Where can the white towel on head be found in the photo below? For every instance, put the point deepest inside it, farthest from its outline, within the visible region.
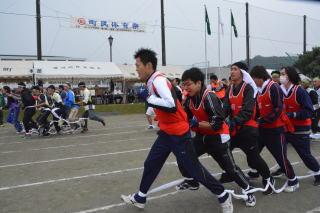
(247, 78)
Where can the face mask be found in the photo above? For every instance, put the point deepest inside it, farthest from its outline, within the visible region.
(284, 79)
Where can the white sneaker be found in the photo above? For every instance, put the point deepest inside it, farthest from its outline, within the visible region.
(151, 127)
(129, 199)
(251, 201)
(227, 206)
(293, 188)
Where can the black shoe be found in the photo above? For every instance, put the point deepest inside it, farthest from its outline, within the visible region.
(317, 180)
(253, 175)
(251, 202)
(277, 173)
(269, 190)
(46, 134)
(103, 123)
(77, 126)
(225, 178)
(84, 130)
(188, 184)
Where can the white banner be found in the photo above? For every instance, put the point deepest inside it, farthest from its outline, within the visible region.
(79, 22)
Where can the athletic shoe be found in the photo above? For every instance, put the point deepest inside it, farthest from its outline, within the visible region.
(251, 201)
(227, 206)
(253, 175)
(135, 200)
(151, 127)
(188, 184)
(317, 180)
(292, 186)
(103, 123)
(269, 190)
(277, 173)
(225, 178)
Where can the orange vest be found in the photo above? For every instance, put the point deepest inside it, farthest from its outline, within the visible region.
(221, 93)
(266, 107)
(172, 123)
(202, 115)
(291, 105)
(236, 106)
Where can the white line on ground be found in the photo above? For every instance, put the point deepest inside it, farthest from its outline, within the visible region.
(122, 204)
(14, 135)
(73, 158)
(73, 145)
(84, 176)
(315, 210)
(74, 137)
(108, 207)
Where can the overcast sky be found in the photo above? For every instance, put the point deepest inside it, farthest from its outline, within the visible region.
(273, 33)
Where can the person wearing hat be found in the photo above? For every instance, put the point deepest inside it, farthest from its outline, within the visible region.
(28, 103)
(240, 109)
(88, 106)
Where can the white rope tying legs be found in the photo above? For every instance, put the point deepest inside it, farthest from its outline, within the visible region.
(243, 196)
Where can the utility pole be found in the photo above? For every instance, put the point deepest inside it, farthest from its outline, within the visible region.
(163, 39)
(247, 35)
(38, 17)
(304, 34)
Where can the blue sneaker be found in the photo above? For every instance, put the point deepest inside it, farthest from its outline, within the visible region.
(135, 200)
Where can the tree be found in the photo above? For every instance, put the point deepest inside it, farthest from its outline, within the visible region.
(309, 62)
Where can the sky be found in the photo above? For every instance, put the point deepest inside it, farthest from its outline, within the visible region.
(276, 29)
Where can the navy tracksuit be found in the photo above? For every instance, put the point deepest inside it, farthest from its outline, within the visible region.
(182, 147)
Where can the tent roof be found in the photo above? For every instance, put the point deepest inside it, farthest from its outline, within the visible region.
(15, 69)
(129, 71)
(73, 69)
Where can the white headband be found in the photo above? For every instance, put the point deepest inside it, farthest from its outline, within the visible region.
(248, 79)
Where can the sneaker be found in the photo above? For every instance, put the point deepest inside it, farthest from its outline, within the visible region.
(151, 127)
(188, 184)
(253, 175)
(225, 178)
(317, 180)
(269, 190)
(292, 186)
(227, 206)
(135, 200)
(277, 173)
(251, 201)
(103, 123)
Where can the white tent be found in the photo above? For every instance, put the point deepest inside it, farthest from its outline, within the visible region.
(76, 70)
(15, 69)
(130, 73)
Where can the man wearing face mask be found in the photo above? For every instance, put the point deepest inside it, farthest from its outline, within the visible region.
(299, 109)
(272, 122)
(239, 107)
